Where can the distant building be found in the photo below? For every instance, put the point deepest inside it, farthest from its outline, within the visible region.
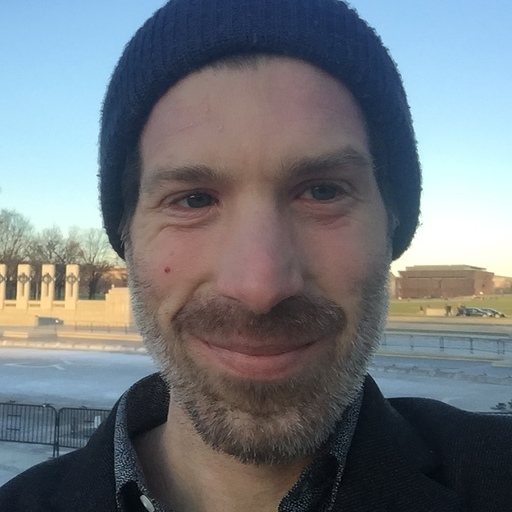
(393, 286)
(444, 281)
(502, 284)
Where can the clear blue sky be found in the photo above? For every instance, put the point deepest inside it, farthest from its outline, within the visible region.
(455, 57)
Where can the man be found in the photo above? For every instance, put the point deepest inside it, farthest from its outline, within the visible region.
(259, 173)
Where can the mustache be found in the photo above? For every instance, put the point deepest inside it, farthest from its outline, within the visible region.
(300, 318)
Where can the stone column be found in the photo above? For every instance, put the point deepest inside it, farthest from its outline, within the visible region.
(47, 286)
(71, 288)
(23, 286)
(3, 278)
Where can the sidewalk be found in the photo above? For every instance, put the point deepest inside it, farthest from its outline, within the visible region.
(68, 339)
(16, 457)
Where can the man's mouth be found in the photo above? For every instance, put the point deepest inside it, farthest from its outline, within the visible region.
(273, 360)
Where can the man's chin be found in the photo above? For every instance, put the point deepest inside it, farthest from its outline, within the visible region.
(264, 420)
(258, 423)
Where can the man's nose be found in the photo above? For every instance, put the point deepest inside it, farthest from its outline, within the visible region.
(261, 264)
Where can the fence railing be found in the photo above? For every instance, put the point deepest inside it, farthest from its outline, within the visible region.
(43, 424)
(76, 426)
(479, 345)
(56, 325)
(33, 424)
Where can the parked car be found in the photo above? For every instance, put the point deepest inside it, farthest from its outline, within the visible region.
(494, 312)
(475, 312)
(49, 320)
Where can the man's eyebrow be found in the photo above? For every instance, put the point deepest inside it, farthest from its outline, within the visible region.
(184, 174)
(347, 158)
(301, 168)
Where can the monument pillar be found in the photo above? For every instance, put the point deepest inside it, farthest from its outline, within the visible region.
(71, 288)
(23, 286)
(3, 279)
(47, 286)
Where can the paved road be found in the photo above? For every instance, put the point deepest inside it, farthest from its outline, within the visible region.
(68, 378)
(97, 379)
(470, 385)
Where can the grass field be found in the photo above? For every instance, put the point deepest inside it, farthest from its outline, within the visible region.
(411, 307)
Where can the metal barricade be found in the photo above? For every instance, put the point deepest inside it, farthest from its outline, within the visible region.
(33, 424)
(76, 425)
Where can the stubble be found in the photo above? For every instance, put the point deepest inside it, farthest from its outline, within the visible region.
(266, 422)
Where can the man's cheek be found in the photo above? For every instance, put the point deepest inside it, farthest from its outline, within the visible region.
(342, 263)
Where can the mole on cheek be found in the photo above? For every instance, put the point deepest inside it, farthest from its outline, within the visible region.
(167, 270)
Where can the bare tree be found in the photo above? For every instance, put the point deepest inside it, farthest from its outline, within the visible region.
(96, 258)
(15, 237)
(46, 246)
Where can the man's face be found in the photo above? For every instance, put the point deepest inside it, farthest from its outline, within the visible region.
(258, 255)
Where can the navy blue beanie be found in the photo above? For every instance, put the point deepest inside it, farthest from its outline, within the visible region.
(186, 35)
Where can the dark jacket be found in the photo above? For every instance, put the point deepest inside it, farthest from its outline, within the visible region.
(407, 455)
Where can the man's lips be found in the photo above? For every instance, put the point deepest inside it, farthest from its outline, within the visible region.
(273, 349)
(267, 361)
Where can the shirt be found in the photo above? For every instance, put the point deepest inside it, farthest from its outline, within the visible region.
(144, 407)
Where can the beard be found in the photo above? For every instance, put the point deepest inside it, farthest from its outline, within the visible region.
(257, 421)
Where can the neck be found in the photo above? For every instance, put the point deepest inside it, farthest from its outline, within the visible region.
(187, 475)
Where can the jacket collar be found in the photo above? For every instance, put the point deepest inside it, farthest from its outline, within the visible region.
(389, 467)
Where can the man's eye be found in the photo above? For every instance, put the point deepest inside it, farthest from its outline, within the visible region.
(323, 192)
(197, 200)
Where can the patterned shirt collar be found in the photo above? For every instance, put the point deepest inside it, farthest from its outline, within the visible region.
(144, 406)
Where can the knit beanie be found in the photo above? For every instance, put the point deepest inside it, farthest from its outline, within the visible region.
(186, 35)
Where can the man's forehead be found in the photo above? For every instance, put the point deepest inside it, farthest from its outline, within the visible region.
(262, 89)
(297, 77)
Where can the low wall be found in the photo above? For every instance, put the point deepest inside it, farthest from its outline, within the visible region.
(113, 311)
